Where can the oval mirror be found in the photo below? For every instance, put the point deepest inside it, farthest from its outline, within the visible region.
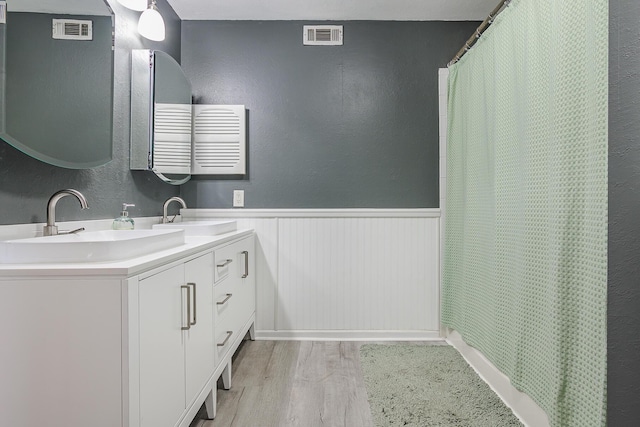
(56, 98)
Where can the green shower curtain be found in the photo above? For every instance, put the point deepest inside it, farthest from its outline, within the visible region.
(525, 267)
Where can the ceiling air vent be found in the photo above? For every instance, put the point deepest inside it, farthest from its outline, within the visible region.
(3, 12)
(322, 35)
(72, 29)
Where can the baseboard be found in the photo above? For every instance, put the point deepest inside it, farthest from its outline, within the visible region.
(523, 406)
(309, 335)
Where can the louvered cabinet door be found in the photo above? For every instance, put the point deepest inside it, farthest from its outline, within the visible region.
(172, 138)
(219, 140)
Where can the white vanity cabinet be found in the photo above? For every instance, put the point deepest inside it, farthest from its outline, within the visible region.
(61, 351)
(234, 303)
(130, 344)
(234, 293)
(175, 312)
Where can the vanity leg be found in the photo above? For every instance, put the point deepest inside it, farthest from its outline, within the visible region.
(252, 331)
(226, 376)
(210, 403)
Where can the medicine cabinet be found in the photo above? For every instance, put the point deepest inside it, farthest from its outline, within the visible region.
(174, 138)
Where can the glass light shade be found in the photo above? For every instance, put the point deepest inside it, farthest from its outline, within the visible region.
(151, 24)
(138, 5)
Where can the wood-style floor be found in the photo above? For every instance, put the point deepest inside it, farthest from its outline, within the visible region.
(293, 383)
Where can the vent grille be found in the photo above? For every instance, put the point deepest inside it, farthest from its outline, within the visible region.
(72, 29)
(172, 138)
(322, 35)
(3, 12)
(219, 139)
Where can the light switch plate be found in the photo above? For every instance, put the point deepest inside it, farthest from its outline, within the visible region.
(238, 198)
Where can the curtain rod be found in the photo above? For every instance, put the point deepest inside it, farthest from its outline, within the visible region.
(481, 29)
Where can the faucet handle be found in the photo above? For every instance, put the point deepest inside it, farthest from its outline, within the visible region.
(76, 231)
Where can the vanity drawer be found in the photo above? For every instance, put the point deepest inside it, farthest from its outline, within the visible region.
(226, 307)
(225, 260)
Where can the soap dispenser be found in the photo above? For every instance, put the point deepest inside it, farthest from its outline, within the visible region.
(123, 222)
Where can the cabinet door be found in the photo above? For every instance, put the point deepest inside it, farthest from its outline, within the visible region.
(199, 336)
(162, 374)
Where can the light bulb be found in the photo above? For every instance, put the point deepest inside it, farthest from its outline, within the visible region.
(151, 24)
(138, 5)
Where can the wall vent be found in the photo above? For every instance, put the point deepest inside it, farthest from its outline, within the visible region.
(322, 35)
(3, 12)
(72, 29)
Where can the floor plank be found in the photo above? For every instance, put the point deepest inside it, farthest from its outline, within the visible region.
(294, 383)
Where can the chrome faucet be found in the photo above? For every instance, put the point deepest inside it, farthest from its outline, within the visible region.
(51, 229)
(166, 205)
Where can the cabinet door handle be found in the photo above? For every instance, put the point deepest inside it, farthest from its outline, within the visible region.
(186, 328)
(224, 300)
(195, 304)
(225, 263)
(222, 344)
(246, 264)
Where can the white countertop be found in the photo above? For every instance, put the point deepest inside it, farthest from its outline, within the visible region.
(122, 268)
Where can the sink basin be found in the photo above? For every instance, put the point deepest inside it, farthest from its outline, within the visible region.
(200, 228)
(90, 246)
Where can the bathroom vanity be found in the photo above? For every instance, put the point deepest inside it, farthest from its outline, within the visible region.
(139, 342)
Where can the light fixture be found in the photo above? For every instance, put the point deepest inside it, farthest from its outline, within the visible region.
(151, 24)
(138, 5)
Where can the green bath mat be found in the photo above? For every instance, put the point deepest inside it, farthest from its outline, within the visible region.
(428, 385)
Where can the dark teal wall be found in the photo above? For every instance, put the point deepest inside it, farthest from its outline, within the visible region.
(26, 184)
(623, 311)
(352, 126)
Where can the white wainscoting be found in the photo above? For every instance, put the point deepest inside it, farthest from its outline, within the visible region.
(369, 274)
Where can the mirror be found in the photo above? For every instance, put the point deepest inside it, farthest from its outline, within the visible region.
(160, 116)
(56, 98)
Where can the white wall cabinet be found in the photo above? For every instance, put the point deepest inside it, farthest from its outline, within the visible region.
(103, 347)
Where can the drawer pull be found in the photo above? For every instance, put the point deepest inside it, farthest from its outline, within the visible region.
(186, 328)
(222, 344)
(224, 300)
(225, 263)
(246, 264)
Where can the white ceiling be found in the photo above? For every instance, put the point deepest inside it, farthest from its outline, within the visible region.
(313, 10)
(72, 7)
(336, 10)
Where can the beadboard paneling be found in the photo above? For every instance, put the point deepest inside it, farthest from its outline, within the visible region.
(358, 274)
(343, 273)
